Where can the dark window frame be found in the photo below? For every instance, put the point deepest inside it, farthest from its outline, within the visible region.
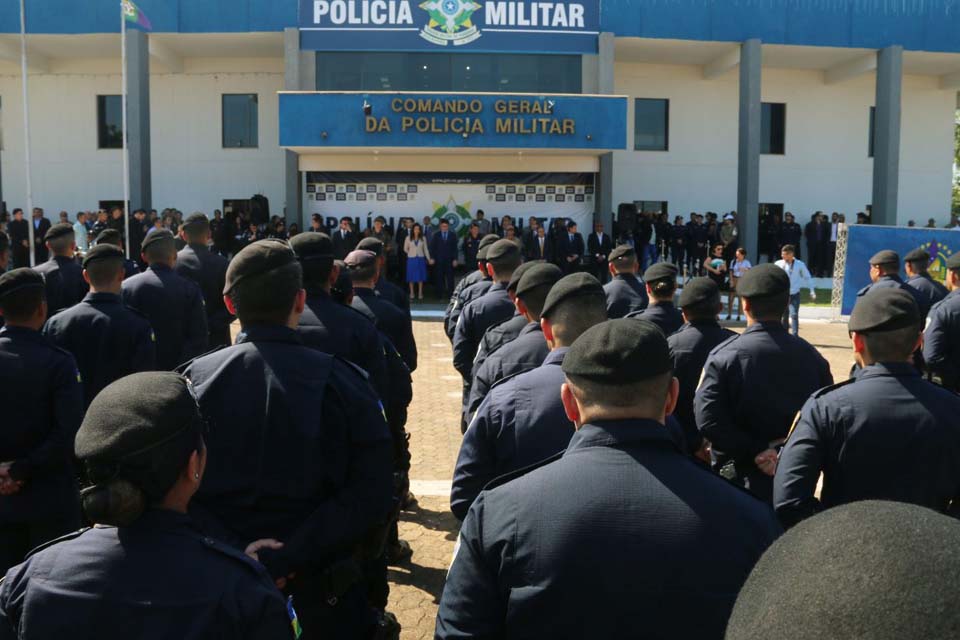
(666, 125)
(244, 144)
(767, 141)
(108, 140)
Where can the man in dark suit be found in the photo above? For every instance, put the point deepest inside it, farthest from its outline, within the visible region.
(599, 246)
(40, 227)
(443, 258)
(19, 231)
(570, 249)
(540, 246)
(344, 239)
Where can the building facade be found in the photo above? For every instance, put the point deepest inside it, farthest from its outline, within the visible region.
(443, 107)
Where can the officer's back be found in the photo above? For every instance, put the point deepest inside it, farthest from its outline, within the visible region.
(916, 264)
(941, 339)
(885, 274)
(386, 289)
(112, 236)
(65, 286)
(662, 286)
(467, 290)
(621, 506)
(208, 270)
(625, 292)
(143, 571)
(173, 305)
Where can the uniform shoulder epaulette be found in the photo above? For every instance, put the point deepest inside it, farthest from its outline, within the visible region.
(137, 313)
(234, 554)
(354, 367)
(819, 393)
(508, 378)
(56, 541)
(513, 475)
(725, 343)
(183, 367)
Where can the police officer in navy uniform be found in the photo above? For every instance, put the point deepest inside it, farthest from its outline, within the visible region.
(916, 264)
(471, 287)
(173, 305)
(661, 286)
(689, 347)
(529, 349)
(299, 469)
(145, 570)
(61, 273)
(754, 384)
(364, 269)
(522, 420)
(626, 293)
(112, 236)
(108, 340)
(208, 270)
(621, 505)
(886, 434)
(384, 288)
(941, 339)
(885, 273)
(42, 399)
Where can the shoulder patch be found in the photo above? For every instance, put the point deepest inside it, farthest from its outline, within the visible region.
(47, 545)
(504, 479)
(824, 391)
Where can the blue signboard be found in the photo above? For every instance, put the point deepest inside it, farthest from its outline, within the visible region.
(510, 121)
(557, 26)
(864, 241)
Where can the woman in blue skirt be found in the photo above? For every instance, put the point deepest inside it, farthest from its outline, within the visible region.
(415, 246)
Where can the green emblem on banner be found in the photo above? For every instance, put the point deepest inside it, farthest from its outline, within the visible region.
(458, 215)
(451, 22)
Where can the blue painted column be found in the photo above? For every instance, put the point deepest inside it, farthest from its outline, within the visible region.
(886, 145)
(138, 119)
(748, 161)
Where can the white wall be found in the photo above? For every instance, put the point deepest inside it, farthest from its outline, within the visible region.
(826, 166)
(191, 171)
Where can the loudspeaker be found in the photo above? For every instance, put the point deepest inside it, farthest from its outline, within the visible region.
(627, 217)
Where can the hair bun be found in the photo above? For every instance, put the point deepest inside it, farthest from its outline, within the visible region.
(118, 503)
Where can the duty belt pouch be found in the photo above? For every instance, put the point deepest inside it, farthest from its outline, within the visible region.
(338, 578)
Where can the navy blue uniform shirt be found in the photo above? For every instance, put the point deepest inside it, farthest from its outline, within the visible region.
(174, 306)
(941, 340)
(663, 314)
(753, 385)
(391, 321)
(526, 352)
(622, 536)
(461, 299)
(158, 578)
(887, 434)
(208, 270)
(893, 281)
(930, 288)
(626, 294)
(63, 281)
(497, 336)
(490, 309)
(393, 294)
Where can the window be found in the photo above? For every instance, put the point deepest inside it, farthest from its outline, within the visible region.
(773, 134)
(873, 132)
(240, 128)
(655, 207)
(374, 71)
(109, 122)
(651, 130)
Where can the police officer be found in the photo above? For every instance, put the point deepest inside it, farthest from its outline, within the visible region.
(661, 286)
(916, 264)
(529, 349)
(108, 340)
(884, 434)
(941, 340)
(63, 276)
(300, 453)
(42, 400)
(885, 273)
(689, 347)
(364, 269)
(208, 270)
(471, 287)
(522, 421)
(626, 293)
(754, 384)
(620, 505)
(142, 447)
(384, 288)
(172, 304)
(112, 236)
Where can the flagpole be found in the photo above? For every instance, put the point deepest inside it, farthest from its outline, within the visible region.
(26, 129)
(123, 101)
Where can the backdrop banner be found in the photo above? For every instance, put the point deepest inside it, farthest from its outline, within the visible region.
(863, 241)
(569, 196)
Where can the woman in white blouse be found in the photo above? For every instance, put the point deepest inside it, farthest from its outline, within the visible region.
(415, 246)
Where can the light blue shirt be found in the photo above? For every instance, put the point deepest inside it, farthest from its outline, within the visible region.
(799, 276)
(80, 234)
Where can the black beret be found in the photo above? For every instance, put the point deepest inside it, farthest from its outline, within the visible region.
(518, 273)
(917, 255)
(619, 352)
(488, 240)
(259, 258)
(661, 271)
(18, 280)
(110, 236)
(878, 570)
(699, 290)
(312, 246)
(503, 251)
(764, 281)
(575, 285)
(58, 230)
(953, 262)
(622, 251)
(539, 275)
(885, 257)
(371, 244)
(198, 220)
(886, 309)
(160, 235)
(103, 252)
(360, 258)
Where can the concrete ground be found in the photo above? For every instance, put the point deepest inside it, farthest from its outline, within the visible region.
(435, 437)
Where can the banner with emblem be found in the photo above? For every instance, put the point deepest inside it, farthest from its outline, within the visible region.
(516, 26)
